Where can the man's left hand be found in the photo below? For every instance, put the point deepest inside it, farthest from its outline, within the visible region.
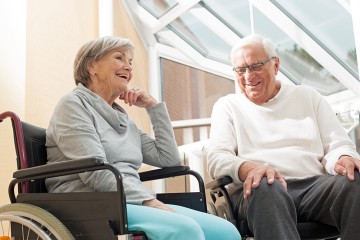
(347, 165)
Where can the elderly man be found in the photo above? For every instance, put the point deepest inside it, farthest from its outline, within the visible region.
(288, 155)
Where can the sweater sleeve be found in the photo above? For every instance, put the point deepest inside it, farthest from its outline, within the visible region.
(161, 151)
(335, 140)
(222, 151)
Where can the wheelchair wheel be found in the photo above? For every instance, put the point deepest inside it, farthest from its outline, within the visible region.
(25, 221)
(212, 209)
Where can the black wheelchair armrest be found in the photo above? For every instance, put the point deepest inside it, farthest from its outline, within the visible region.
(219, 182)
(179, 198)
(58, 168)
(173, 172)
(62, 169)
(74, 167)
(163, 173)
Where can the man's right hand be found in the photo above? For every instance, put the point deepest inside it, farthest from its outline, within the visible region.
(251, 174)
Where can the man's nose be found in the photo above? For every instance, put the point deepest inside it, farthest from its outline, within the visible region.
(248, 72)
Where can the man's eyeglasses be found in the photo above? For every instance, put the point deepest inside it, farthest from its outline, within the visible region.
(253, 67)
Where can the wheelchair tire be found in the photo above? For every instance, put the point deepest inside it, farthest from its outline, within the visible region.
(31, 221)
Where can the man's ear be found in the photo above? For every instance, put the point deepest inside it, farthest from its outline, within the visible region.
(277, 65)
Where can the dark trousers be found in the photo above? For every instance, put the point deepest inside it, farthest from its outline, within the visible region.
(272, 212)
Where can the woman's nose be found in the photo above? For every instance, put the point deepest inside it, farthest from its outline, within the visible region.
(128, 66)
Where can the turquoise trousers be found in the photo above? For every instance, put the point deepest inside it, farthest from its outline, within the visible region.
(185, 224)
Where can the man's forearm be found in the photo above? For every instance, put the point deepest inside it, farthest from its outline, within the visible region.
(245, 168)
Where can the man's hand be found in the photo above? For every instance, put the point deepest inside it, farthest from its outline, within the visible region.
(346, 165)
(251, 174)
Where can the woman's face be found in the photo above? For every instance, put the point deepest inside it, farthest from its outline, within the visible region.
(111, 74)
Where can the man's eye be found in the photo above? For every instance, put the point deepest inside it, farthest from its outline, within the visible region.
(241, 69)
(256, 66)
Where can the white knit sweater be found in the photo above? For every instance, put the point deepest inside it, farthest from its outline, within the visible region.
(296, 132)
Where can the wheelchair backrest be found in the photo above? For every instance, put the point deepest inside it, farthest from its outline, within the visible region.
(34, 140)
(30, 150)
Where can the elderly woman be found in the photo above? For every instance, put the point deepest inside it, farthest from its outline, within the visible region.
(89, 123)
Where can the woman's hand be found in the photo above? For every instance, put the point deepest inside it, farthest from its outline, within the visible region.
(138, 97)
(157, 204)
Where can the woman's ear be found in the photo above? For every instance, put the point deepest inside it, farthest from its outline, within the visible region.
(91, 68)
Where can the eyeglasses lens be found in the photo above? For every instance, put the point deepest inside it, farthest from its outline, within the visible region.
(255, 67)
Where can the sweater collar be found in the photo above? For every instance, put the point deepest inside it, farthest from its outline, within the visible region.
(115, 115)
(279, 93)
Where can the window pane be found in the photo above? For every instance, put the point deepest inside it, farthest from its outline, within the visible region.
(209, 43)
(190, 93)
(297, 64)
(157, 7)
(191, 134)
(235, 14)
(331, 27)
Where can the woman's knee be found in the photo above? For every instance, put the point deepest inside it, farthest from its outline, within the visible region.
(213, 227)
(222, 229)
(187, 228)
(163, 225)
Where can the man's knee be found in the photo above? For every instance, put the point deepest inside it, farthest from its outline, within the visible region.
(349, 188)
(269, 191)
(269, 199)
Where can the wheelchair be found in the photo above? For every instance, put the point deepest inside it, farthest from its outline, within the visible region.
(36, 214)
(221, 206)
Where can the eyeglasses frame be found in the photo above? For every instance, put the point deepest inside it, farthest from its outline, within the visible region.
(262, 63)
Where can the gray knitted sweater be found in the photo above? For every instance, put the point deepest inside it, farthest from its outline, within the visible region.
(84, 125)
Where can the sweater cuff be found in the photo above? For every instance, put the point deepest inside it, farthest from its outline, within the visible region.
(332, 160)
(156, 107)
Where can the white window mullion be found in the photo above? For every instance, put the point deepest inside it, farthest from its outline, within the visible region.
(355, 12)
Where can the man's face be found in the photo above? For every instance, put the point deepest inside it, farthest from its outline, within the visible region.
(258, 81)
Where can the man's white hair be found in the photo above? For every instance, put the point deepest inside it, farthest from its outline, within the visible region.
(254, 39)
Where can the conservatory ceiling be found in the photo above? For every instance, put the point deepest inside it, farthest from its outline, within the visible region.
(314, 38)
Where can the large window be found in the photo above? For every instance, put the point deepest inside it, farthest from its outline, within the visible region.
(190, 94)
(314, 38)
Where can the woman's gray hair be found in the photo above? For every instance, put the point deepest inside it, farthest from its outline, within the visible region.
(267, 44)
(95, 50)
